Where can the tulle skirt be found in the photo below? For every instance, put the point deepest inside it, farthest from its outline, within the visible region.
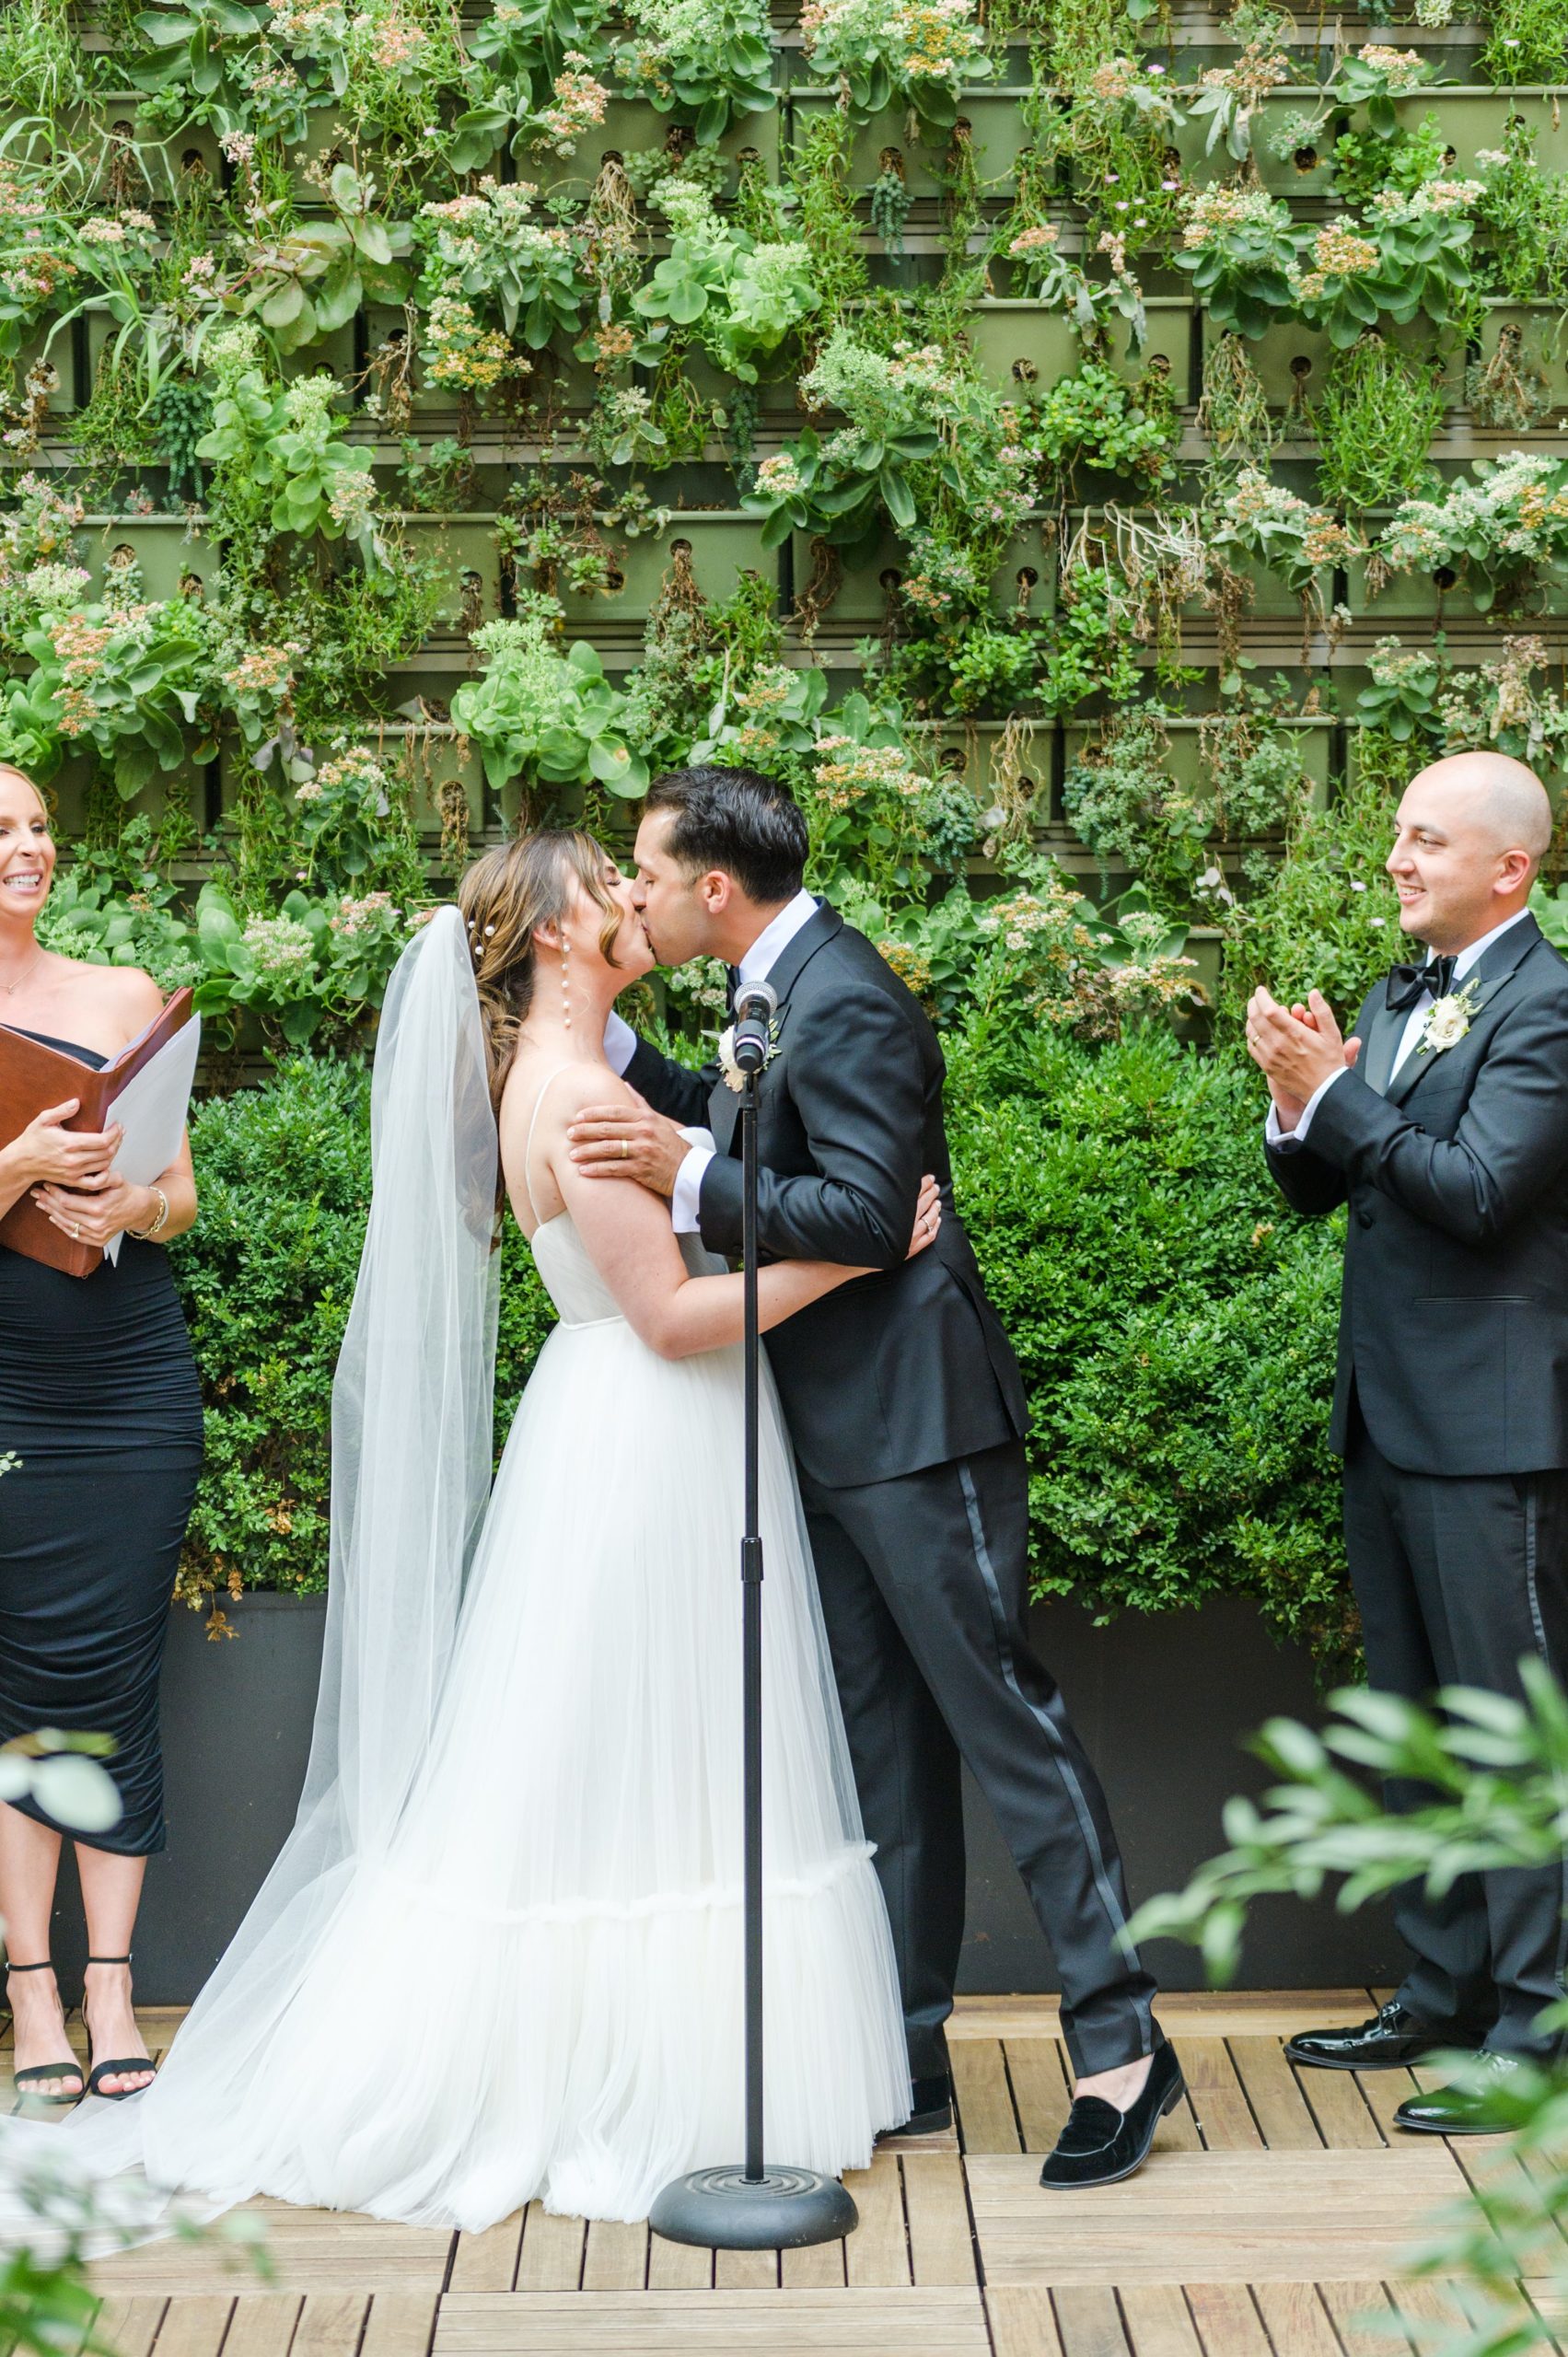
(534, 1990)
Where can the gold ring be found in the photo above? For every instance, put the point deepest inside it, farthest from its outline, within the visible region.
(76, 1233)
(626, 1151)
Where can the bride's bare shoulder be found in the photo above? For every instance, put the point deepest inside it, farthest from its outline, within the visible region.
(558, 1091)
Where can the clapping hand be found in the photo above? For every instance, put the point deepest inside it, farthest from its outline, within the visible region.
(1297, 1049)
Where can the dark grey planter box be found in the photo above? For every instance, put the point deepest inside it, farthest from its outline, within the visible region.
(1163, 1703)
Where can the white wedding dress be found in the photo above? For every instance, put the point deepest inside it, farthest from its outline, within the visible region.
(500, 1958)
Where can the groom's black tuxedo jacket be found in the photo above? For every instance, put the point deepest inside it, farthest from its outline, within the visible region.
(1454, 1314)
(905, 1368)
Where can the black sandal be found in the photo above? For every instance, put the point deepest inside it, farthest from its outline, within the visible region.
(113, 2069)
(25, 2081)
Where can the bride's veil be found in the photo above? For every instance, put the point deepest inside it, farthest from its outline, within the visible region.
(411, 1460)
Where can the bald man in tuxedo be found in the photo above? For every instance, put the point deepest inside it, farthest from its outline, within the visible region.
(1443, 1124)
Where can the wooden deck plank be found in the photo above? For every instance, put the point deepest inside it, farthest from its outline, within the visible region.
(320, 2252)
(1361, 2314)
(616, 2258)
(888, 2323)
(877, 2253)
(1426, 2299)
(1345, 2120)
(941, 2247)
(1022, 2322)
(818, 2267)
(263, 2324)
(1489, 2162)
(1296, 2320)
(1226, 2013)
(1228, 2322)
(1382, 2092)
(552, 2256)
(129, 2327)
(194, 2325)
(1223, 2115)
(488, 2262)
(401, 2324)
(1039, 2089)
(678, 2266)
(1270, 2087)
(986, 2120)
(332, 2324)
(1215, 2217)
(1089, 2321)
(1159, 2321)
(746, 2270)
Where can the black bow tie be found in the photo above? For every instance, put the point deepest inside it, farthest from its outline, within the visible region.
(732, 984)
(1409, 984)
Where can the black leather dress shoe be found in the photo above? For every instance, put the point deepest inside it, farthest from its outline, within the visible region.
(1100, 2144)
(1391, 2038)
(1463, 2111)
(931, 2107)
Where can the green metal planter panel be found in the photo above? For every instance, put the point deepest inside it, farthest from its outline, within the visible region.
(1024, 581)
(1293, 360)
(719, 546)
(992, 122)
(1314, 739)
(167, 552)
(1473, 118)
(1023, 347)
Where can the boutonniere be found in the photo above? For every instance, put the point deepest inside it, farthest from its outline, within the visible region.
(732, 1076)
(1449, 1020)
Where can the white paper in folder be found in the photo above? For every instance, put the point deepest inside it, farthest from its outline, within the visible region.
(151, 1110)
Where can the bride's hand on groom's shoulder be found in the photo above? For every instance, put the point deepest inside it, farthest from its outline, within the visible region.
(927, 1218)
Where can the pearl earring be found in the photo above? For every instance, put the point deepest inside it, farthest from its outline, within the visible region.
(566, 982)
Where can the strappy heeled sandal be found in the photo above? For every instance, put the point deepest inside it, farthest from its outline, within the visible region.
(114, 2069)
(26, 2082)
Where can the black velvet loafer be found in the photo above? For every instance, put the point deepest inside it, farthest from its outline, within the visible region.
(1100, 2144)
(1391, 2039)
(1462, 2111)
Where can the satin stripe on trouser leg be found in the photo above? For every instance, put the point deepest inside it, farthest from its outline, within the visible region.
(944, 1552)
(1459, 1577)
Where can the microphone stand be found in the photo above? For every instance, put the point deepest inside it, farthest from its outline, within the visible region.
(752, 2206)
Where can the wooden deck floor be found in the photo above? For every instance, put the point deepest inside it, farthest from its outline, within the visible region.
(1272, 2221)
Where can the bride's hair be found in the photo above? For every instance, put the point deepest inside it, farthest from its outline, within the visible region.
(504, 899)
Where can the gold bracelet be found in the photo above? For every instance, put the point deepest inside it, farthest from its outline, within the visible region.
(146, 1234)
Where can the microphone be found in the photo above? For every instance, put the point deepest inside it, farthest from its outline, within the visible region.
(756, 1003)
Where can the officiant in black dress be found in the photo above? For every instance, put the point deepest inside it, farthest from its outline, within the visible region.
(100, 1443)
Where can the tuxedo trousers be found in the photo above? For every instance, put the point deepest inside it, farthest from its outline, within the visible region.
(1459, 1577)
(924, 1587)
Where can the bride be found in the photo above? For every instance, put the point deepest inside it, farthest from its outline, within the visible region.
(499, 1957)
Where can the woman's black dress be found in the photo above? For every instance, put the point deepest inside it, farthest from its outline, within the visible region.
(99, 1400)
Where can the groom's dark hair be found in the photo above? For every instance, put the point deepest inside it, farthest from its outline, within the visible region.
(738, 819)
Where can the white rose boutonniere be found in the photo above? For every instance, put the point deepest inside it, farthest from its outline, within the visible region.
(732, 1076)
(1449, 1020)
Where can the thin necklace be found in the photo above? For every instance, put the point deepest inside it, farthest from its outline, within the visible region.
(12, 988)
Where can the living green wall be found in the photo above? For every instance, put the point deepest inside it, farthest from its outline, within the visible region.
(1095, 450)
(1099, 413)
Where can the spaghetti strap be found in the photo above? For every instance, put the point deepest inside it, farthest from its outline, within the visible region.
(528, 1146)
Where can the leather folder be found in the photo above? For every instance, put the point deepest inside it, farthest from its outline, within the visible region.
(33, 1076)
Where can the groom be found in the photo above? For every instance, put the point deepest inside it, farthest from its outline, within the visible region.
(1445, 1128)
(908, 1416)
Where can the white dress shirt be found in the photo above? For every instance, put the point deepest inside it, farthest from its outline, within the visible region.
(1414, 1024)
(620, 1040)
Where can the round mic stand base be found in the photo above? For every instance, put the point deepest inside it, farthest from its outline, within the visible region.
(723, 2209)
